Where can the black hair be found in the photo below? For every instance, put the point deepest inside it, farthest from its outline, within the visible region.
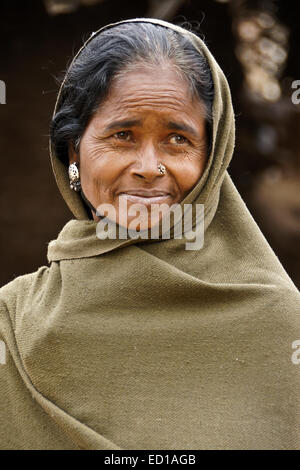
(109, 54)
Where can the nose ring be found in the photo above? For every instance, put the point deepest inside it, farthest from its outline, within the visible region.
(161, 169)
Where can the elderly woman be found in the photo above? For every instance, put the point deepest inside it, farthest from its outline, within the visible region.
(135, 342)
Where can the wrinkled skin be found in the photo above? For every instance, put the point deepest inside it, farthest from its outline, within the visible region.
(165, 124)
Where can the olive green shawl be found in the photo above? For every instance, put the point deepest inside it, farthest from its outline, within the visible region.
(120, 344)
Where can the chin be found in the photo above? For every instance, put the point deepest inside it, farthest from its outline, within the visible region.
(136, 223)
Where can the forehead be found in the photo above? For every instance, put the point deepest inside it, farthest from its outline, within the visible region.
(158, 89)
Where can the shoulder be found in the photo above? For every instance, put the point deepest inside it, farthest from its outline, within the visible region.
(21, 291)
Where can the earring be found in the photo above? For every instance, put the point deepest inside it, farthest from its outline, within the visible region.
(161, 169)
(74, 177)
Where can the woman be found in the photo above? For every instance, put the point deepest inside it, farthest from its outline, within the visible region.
(136, 343)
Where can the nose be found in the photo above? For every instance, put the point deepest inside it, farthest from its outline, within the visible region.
(146, 164)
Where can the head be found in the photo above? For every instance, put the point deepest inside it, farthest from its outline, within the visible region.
(135, 115)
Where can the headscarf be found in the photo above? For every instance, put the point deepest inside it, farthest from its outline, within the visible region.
(123, 344)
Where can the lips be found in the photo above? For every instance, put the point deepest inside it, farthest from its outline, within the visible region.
(146, 193)
(146, 197)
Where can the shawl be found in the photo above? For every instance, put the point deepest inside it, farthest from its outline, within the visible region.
(130, 344)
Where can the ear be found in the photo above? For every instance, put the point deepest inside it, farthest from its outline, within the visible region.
(73, 155)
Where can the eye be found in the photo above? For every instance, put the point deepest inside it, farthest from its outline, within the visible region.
(178, 139)
(123, 135)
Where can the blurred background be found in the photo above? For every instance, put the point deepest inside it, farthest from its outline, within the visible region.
(255, 42)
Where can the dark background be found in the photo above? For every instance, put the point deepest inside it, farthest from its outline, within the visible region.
(255, 42)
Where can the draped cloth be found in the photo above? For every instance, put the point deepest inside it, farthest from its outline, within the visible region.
(130, 344)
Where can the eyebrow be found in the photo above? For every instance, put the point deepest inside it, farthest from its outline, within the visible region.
(172, 125)
(123, 123)
(180, 126)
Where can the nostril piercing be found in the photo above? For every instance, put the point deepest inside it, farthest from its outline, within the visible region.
(161, 169)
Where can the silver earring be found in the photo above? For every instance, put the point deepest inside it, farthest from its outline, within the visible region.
(161, 169)
(74, 177)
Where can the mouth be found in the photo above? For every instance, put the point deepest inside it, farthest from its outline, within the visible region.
(146, 197)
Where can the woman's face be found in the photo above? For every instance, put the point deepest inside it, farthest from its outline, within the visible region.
(147, 118)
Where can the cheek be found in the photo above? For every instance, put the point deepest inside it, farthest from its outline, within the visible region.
(100, 165)
(188, 172)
